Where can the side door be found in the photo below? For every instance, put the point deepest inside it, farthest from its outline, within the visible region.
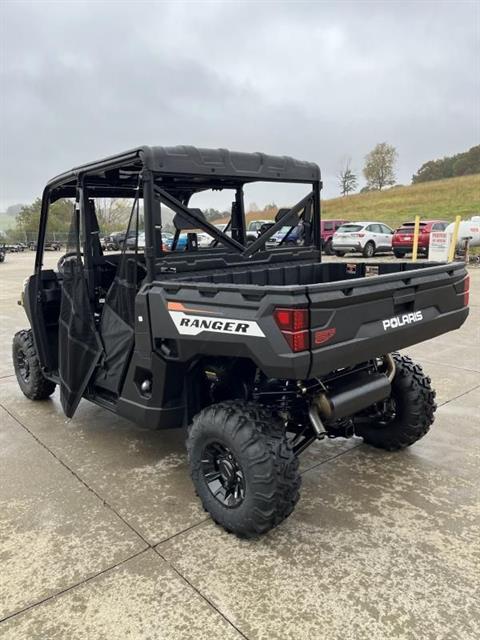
(79, 345)
(387, 237)
(374, 235)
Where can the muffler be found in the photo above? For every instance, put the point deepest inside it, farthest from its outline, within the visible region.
(351, 396)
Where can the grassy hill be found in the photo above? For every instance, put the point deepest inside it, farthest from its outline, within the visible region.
(441, 199)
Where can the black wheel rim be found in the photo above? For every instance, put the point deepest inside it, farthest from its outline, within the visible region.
(23, 366)
(389, 412)
(223, 475)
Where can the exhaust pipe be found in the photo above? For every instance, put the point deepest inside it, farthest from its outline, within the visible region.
(350, 397)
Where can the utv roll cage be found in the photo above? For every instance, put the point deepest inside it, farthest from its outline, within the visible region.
(170, 176)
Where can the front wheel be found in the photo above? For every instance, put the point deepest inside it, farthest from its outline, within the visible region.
(242, 466)
(27, 368)
(407, 415)
(369, 250)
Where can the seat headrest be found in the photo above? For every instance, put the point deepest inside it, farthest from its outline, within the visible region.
(182, 224)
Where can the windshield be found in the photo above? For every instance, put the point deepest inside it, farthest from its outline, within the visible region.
(282, 231)
(411, 225)
(348, 228)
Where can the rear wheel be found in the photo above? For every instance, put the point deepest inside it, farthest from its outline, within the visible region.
(27, 368)
(369, 249)
(408, 413)
(242, 466)
(328, 248)
(399, 254)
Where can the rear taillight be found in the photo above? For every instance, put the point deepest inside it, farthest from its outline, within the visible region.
(291, 319)
(466, 291)
(358, 235)
(294, 325)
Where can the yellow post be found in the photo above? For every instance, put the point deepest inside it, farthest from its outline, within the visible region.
(453, 241)
(415, 239)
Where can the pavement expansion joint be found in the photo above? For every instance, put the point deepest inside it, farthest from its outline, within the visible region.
(74, 586)
(202, 595)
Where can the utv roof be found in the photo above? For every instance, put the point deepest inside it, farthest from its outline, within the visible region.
(194, 161)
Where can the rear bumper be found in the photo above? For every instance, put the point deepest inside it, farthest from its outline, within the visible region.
(408, 246)
(352, 246)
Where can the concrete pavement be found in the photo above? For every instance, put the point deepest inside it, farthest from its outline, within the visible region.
(101, 535)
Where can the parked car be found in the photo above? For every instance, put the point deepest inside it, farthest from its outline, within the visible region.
(291, 240)
(204, 239)
(167, 239)
(255, 225)
(114, 241)
(402, 241)
(327, 229)
(254, 228)
(53, 246)
(367, 238)
(2, 254)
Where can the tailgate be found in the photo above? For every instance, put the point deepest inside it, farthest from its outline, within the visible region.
(359, 319)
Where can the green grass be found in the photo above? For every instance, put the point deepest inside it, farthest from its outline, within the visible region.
(439, 199)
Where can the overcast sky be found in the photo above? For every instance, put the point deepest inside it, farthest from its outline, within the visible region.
(318, 81)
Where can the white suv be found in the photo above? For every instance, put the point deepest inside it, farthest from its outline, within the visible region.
(364, 237)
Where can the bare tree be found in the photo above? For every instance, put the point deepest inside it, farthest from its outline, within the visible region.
(112, 213)
(379, 170)
(347, 180)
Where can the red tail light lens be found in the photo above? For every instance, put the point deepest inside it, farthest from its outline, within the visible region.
(466, 291)
(294, 324)
(299, 341)
(291, 319)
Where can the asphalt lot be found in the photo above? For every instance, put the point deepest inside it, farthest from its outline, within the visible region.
(101, 535)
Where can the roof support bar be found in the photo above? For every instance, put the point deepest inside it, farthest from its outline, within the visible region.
(191, 216)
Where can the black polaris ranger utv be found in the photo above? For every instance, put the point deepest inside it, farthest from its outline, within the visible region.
(259, 351)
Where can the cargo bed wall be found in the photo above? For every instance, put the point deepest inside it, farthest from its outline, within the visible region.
(298, 273)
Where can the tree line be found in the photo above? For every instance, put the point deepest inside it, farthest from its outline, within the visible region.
(379, 169)
(461, 164)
